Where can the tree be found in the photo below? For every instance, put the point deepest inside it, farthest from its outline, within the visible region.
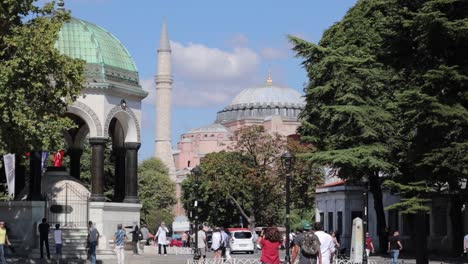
(36, 81)
(347, 117)
(387, 97)
(429, 48)
(248, 181)
(156, 193)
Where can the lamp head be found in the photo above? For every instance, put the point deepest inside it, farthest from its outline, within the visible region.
(287, 161)
(123, 104)
(197, 171)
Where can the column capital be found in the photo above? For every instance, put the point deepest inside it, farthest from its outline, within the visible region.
(98, 140)
(132, 145)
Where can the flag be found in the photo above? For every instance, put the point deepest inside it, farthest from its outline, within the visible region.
(9, 160)
(45, 155)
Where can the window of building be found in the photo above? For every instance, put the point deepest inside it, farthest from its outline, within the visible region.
(330, 221)
(393, 223)
(440, 221)
(322, 218)
(339, 222)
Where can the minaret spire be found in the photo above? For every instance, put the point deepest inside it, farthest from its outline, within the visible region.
(164, 44)
(163, 146)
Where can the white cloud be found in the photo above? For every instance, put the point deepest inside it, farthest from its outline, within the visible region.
(149, 86)
(200, 62)
(274, 53)
(205, 76)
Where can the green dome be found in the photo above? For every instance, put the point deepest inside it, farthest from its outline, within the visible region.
(103, 52)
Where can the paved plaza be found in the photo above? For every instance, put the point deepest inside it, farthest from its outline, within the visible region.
(151, 257)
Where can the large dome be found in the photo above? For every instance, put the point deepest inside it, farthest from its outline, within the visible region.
(106, 57)
(261, 102)
(268, 95)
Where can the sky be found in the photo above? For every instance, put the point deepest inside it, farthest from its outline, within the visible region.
(218, 47)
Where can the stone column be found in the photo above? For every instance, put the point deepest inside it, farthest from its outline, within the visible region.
(97, 169)
(75, 163)
(35, 176)
(119, 188)
(131, 176)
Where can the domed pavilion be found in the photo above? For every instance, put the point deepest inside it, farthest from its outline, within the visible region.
(108, 110)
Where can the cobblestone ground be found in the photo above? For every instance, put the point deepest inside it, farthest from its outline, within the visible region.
(150, 257)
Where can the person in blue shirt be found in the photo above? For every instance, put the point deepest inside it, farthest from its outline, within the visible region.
(465, 244)
(120, 237)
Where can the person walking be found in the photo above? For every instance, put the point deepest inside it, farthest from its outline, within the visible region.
(465, 244)
(44, 229)
(307, 247)
(162, 238)
(270, 240)
(58, 243)
(394, 246)
(144, 235)
(120, 237)
(135, 239)
(216, 244)
(93, 238)
(369, 245)
(201, 246)
(336, 240)
(184, 239)
(3, 241)
(327, 246)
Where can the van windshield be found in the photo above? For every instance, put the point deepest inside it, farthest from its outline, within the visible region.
(242, 235)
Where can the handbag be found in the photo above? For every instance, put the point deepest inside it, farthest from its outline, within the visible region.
(12, 249)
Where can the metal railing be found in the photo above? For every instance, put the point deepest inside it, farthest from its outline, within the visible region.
(222, 261)
(67, 206)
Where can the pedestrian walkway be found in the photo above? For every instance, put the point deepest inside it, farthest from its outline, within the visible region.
(151, 257)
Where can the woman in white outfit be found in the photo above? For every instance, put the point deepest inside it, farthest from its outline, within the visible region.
(162, 238)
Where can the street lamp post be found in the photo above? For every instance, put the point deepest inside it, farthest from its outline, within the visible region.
(365, 229)
(196, 172)
(287, 160)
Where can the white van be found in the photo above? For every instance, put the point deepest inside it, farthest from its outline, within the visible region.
(241, 240)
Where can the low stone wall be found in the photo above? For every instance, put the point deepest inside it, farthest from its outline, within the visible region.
(107, 216)
(22, 218)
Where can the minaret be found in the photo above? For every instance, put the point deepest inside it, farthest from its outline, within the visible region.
(163, 146)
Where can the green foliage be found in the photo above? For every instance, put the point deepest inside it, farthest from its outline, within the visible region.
(387, 96)
(248, 181)
(36, 81)
(415, 190)
(156, 193)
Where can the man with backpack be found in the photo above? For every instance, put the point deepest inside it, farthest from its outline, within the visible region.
(307, 246)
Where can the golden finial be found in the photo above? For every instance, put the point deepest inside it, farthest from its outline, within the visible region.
(269, 80)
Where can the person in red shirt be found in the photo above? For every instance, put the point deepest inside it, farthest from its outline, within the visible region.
(369, 245)
(270, 240)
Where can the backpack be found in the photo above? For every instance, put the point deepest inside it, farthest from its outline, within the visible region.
(140, 235)
(310, 244)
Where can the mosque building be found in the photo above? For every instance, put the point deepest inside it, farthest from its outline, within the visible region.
(274, 107)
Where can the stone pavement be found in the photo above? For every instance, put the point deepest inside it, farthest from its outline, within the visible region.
(150, 257)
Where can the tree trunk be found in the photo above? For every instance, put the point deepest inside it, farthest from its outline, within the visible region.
(376, 190)
(420, 238)
(456, 221)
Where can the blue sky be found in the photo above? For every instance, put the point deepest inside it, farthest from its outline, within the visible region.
(219, 48)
